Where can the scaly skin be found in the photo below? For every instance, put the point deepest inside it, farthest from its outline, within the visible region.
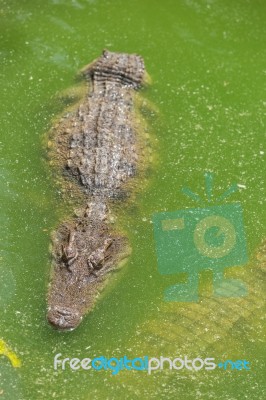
(98, 147)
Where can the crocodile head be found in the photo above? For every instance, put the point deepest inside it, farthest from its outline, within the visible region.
(89, 254)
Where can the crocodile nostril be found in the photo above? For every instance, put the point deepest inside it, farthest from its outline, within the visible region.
(63, 318)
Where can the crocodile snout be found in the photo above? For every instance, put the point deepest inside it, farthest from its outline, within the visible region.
(63, 318)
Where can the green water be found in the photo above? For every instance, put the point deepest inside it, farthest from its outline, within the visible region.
(207, 62)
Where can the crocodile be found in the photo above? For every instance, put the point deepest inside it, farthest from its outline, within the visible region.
(99, 148)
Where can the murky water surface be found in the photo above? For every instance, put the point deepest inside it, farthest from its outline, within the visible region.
(207, 62)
